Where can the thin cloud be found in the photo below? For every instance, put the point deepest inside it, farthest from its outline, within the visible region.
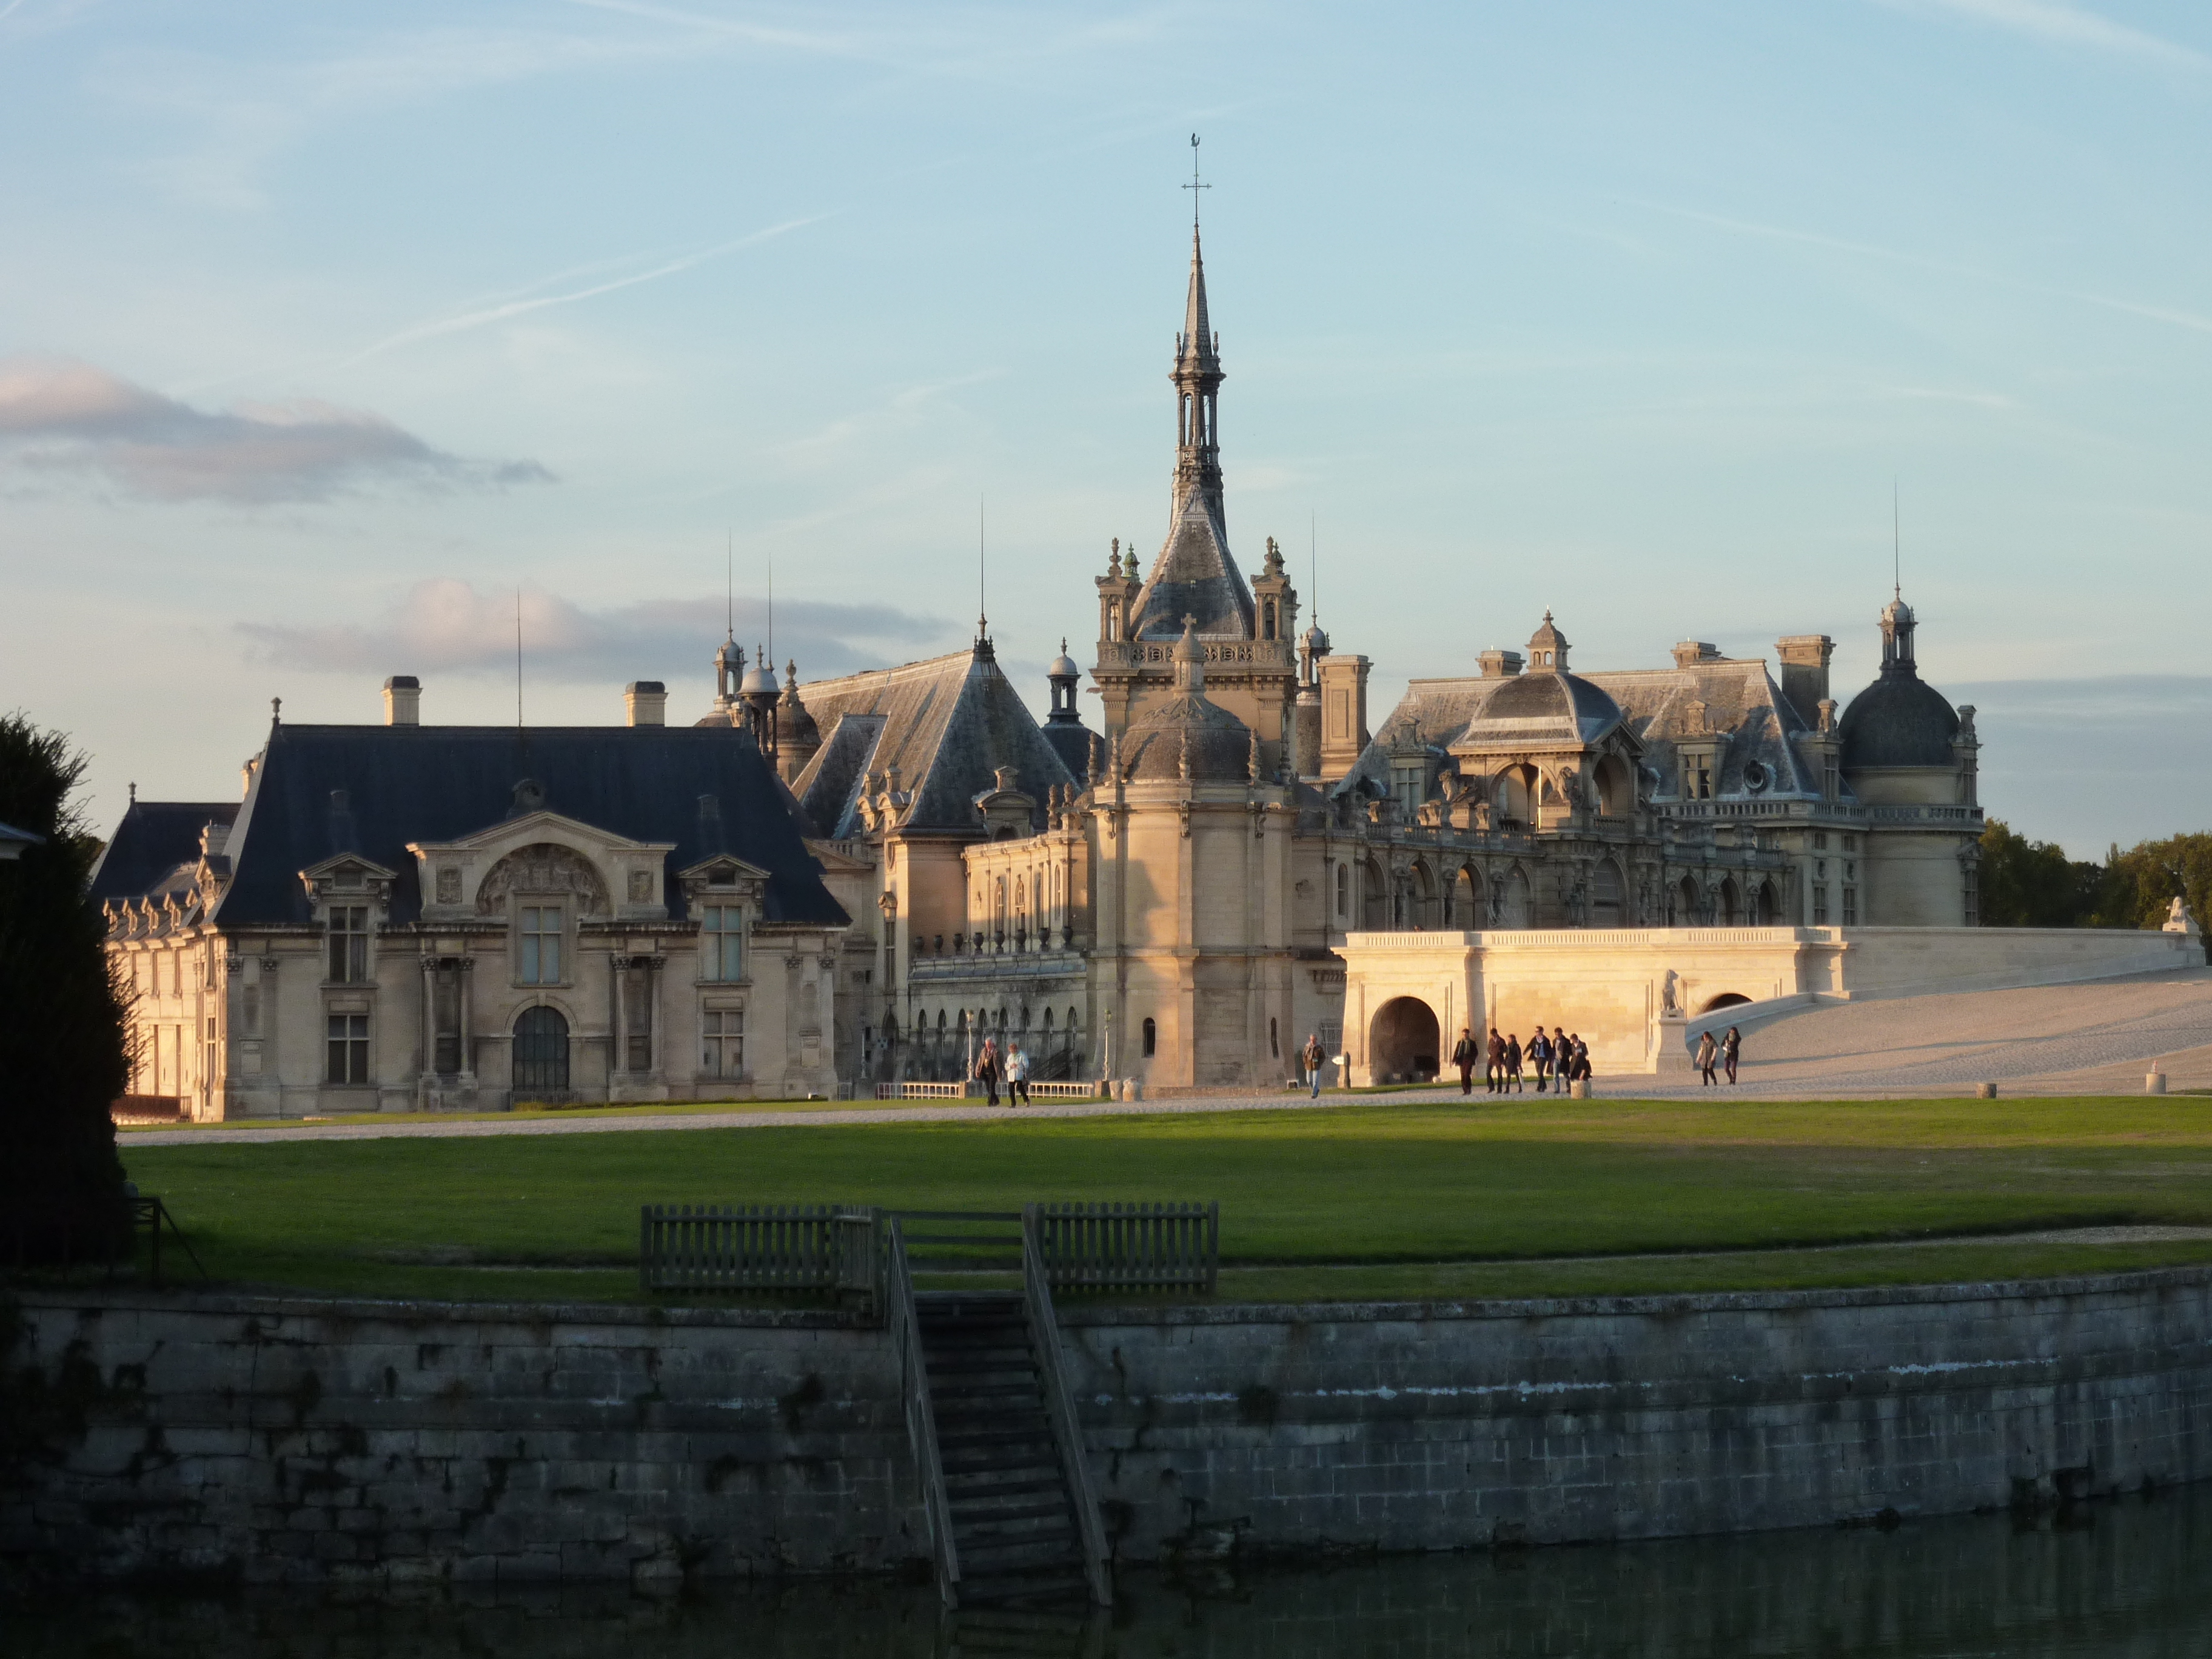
(2064, 26)
(523, 307)
(59, 416)
(2173, 316)
(445, 625)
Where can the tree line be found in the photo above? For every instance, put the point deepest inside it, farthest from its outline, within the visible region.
(2032, 884)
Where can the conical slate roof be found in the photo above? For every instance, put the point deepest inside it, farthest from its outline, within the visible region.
(1195, 576)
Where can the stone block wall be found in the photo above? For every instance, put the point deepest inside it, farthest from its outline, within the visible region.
(263, 1440)
(266, 1440)
(1417, 1426)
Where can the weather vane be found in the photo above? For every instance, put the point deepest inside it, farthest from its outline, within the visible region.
(1195, 187)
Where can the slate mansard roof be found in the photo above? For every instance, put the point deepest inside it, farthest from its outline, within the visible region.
(156, 848)
(947, 723)
(440, 783)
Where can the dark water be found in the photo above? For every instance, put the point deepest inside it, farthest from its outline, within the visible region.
(2129, 1579)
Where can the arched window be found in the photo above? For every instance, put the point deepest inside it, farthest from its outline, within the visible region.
(1607, 906)
(1374, 898)
(1267, 622)
(1151, 1038)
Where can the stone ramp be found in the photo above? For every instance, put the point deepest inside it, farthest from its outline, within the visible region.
(2097, 1038)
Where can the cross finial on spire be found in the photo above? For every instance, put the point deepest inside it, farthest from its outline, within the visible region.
(1194, 186)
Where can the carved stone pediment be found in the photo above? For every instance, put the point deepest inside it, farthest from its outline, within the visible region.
(548, 870)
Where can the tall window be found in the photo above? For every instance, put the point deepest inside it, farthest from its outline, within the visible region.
(724, 1050)
(541, 944)
(348, 1050)
(1331, 1036)
(1850, 906)
(1343, 886)
(1819, 904)
(1151, 1039)
(724, 943)
(348, 941)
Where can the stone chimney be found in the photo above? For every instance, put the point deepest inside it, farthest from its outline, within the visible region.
(1805, 670)
(1690, 653)
(1500, 665)
(645, 702)
(402, 700)
(1343, 714)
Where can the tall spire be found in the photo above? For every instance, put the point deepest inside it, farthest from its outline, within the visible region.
(1194, 574)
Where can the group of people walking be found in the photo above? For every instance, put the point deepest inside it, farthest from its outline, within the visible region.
(1562, 1057)
(1011, 1068)
(1726, 1052)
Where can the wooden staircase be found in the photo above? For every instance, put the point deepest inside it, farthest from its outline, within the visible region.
(1013, 1520)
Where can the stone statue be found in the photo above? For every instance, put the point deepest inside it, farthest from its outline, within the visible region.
(1670, 1004)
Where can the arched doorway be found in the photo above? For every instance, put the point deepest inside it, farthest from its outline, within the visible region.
(1731, 902)
(1375, 905)
(1688, 905)
(1463, 900)
(1725, 999)
(1401, 1041)
(541, 1052)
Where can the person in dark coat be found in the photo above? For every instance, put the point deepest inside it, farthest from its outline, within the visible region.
(987, 1068)
(1512, 1065)
(1312, 1057)
(1494, 1070)
(1731, 1047)
(1708, 1051)
(1463, 1056)
(1539, 1056)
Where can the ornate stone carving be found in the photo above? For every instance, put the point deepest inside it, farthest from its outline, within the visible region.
(543, 869)
(449, 883)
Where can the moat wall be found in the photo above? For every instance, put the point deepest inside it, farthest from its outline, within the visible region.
(279, 1440)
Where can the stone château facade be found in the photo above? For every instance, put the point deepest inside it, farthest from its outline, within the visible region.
(850, 883)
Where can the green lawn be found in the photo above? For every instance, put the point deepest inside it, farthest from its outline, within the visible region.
(1372, 1199)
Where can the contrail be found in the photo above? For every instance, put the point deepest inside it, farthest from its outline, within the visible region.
(470, 319)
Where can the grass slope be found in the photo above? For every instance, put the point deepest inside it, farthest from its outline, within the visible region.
(1421, 1199)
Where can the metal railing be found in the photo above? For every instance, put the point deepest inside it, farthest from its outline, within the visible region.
(150, 1212)
(756, 1247)
(1060, 1408)
(1127, 1247)
(920, 1415)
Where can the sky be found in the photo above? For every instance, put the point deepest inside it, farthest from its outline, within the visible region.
(330, 336)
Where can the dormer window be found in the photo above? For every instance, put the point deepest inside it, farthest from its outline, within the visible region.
(349, 943)
(540, 956)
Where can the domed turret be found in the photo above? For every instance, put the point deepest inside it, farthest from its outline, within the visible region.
(1063, 728)
(797, 737)
(1189, 739)
(1900, 720)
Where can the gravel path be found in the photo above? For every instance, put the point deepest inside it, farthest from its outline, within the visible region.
(2066, 1039)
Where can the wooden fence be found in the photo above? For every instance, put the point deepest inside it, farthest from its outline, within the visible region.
(1127, 1247)
(837, 1247)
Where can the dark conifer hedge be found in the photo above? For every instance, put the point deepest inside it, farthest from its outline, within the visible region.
(62, 1035)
